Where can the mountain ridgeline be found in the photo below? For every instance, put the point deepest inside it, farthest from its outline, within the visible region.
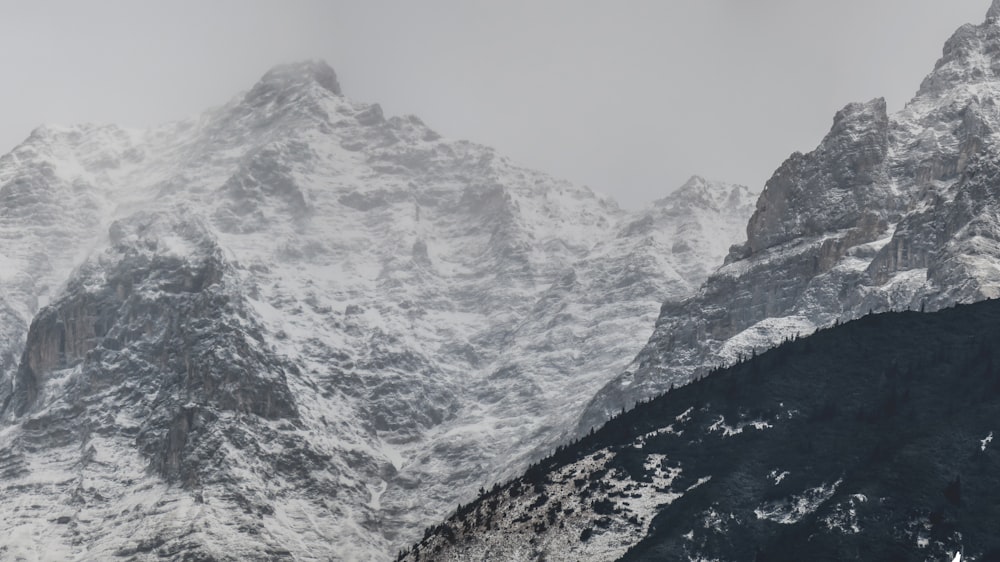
(872, 440)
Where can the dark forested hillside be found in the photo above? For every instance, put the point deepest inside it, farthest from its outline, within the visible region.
(867, 441)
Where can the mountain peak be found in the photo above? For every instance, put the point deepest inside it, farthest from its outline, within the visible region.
(694, 182)
(317, 71)
(295, 76)
(968, 57)
(994, 12)
(705, 192)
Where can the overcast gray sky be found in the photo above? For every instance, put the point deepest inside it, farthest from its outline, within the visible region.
(628, 97)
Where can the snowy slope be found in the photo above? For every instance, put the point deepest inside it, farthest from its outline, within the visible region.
(294, 327)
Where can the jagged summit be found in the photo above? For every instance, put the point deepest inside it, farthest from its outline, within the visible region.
(849, 157)
(695, 185)
(994, 12)
(693, 181)
(694, 188)
(294, 76)
(969, 57)
(706, 193)
(316, 70)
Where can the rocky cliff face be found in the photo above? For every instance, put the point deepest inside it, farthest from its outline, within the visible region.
(833, 187)
(888, 212)
(297, 328)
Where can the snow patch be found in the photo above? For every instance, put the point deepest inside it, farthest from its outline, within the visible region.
(764, 335)
(845, 516)
(793, 509)
(778, 477)
(727, 430)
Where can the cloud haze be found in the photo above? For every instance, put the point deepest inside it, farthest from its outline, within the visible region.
(630, 98)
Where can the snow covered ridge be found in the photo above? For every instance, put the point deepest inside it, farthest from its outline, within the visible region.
(298, 327)
(889, 212)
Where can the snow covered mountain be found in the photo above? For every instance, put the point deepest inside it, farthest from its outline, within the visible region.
(887, 213)
(296, 328)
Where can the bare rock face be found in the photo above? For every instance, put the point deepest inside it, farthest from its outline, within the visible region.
(888, 212)
(831, 188)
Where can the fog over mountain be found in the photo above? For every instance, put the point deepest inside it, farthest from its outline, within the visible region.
(630, 99)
